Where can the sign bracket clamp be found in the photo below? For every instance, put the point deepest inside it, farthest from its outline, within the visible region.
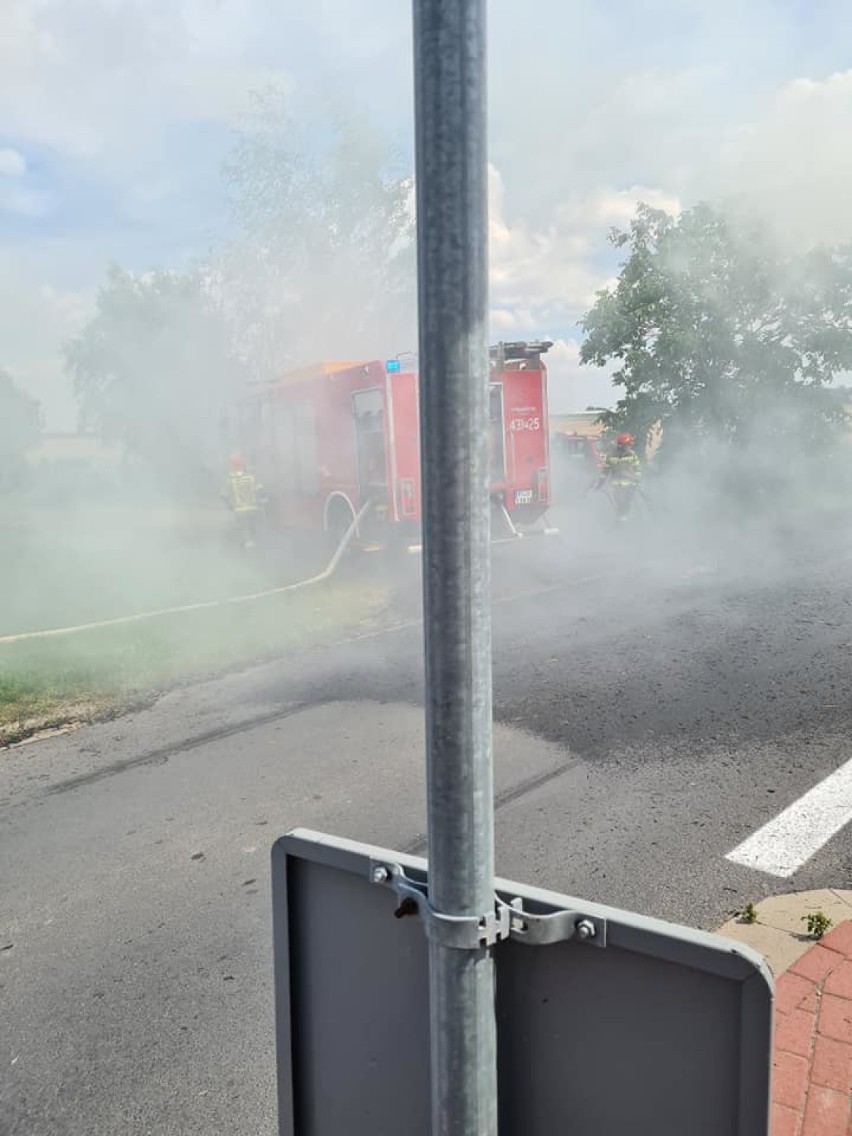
(477, 932)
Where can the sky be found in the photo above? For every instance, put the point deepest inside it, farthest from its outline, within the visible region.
(116, 115)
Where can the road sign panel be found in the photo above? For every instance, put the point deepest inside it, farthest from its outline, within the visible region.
(607, 1022)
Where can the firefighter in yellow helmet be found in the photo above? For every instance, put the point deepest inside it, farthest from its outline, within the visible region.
(622, 471)
(246, 498)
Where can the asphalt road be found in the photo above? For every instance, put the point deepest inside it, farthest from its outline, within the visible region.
(655, 706)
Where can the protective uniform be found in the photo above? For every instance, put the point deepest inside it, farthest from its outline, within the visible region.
(623, 472)
(245, 497)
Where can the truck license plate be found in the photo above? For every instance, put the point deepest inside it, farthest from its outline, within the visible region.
(523, 496)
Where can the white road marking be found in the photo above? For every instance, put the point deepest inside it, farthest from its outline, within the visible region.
(784, 844)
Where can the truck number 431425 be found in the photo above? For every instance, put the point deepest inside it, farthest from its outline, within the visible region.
(525, 424)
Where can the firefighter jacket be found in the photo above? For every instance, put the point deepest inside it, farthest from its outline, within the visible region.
(244, 493)
(623, 469)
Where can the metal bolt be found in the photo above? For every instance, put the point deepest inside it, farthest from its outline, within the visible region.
(586, 929)
(380, 875)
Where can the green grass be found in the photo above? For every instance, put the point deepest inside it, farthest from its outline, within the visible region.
(90, 674)
(85, 563)
(65, 568)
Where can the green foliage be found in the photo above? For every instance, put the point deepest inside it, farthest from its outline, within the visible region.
(749, 913)
(717, 334)
(321, 265)
(818, 924)
(20, 428)
(153, 368)
(323, 262)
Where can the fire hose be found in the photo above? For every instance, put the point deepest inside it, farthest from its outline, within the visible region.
(326, 574)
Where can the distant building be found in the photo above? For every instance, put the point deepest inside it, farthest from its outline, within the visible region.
(79, 449)
(585, 423)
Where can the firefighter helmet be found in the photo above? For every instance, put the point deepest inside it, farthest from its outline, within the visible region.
(237, 463)
(624, 440)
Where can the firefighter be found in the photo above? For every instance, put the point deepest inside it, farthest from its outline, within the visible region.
(622, 471)
(245, 497)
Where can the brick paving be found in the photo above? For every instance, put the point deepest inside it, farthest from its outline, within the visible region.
(812, 1058)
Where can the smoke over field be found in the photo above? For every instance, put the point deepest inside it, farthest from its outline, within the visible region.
(207, 200)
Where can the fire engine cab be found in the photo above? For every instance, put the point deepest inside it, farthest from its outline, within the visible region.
(326, 439)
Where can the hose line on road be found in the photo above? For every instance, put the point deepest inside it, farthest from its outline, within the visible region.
(326, 574)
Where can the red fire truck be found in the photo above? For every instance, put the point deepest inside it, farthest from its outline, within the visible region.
(326, 439)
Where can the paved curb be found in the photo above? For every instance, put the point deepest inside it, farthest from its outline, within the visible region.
(812, 1049)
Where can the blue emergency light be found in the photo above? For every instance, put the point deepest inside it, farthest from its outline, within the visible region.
(391, 366)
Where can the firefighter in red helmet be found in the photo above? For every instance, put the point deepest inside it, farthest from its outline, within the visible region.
(246, 498)
(622, 472)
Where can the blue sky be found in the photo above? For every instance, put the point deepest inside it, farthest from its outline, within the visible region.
(118, 113)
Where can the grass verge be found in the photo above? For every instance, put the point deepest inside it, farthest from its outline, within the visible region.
(46, 683)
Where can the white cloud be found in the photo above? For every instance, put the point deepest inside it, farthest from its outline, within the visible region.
(12, 163)
(16, 197)
(795, 162)
(606, 208)
(39, 311)
(572, 387)
(221, 94)
(591, 111)
(23, 202)
(543, 280)
(549, 276)
(102, 80)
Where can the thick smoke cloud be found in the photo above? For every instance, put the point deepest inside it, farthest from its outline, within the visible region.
(119, 117)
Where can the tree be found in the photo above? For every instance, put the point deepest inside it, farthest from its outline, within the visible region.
(20, 429)
(323, 262)
(724, 340)
(154, 369)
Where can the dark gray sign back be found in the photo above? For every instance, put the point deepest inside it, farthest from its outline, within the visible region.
(665, 1031)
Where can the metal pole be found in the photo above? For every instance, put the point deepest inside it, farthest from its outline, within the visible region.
(450, 105)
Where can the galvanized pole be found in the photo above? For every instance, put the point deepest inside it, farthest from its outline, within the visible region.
(450, 104)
